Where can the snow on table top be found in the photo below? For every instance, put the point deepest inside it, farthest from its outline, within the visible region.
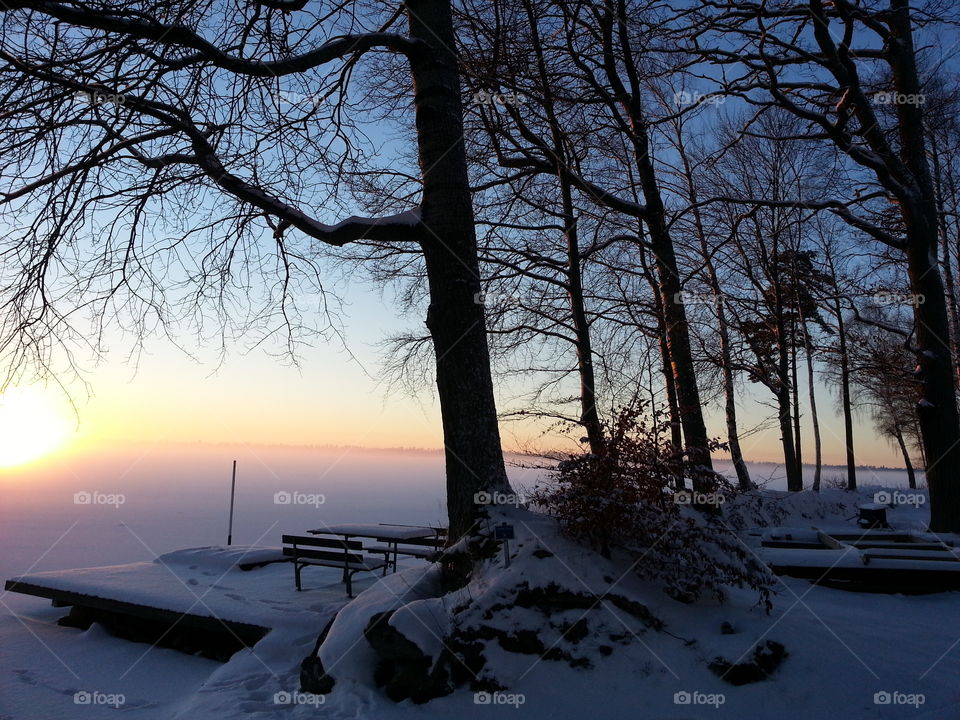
(850, 557)
(394, 532)
(208, 582)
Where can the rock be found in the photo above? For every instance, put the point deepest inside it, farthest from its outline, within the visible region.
(727, 629)
(638, 610)
(402, 668)
(556, 654)
(522, 641)
(389, 642)
(577, 631)
(553, 598)
(766, 659)
(313, 678)
(467, 660)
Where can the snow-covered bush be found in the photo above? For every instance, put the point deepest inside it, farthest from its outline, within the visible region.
(627, 496)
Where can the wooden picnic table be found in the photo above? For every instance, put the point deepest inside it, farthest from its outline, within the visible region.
(392, 534)
(374, 530)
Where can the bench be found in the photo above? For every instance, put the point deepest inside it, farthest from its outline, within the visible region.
(329, 552)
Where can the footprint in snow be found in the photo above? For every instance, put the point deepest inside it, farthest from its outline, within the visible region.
(26, 676)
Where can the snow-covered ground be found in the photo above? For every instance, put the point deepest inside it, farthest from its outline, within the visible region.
(845, 650)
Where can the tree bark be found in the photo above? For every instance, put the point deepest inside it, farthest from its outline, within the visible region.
(668, 274)
(795, 390)
(455, 319)
(937, 404)
(723, 330)
(814, 420)
(907, 463)
(845, 398)
(666, 368)
(589, 417)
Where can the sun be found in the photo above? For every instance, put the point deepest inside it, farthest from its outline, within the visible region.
(31, 426)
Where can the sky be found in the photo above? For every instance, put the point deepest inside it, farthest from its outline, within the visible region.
(332, 398)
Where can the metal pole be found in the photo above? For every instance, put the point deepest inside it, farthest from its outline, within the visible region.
(233, 487)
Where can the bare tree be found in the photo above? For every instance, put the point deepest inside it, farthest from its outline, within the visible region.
(140, 116)
(828, 64)
(598, 53)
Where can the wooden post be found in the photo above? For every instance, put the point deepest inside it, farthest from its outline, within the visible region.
(233, 486)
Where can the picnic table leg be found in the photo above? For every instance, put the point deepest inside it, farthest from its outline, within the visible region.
(346, 573)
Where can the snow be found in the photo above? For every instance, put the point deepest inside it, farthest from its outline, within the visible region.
(843, 647)
(206, 582)
(425, 623)
(342, 655)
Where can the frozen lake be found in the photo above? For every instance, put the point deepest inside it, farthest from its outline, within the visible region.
(145, 501)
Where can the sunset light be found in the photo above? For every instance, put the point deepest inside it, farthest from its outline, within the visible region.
(31, 426)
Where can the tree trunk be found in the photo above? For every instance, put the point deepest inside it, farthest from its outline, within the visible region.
(795, 388)
(907, 463)
(474, 459)
(669, 381)
(794, 479)
(723, 330)
(784, 407)
(937, 404)
(814, 420)
(942, 227)
(668, 274)
(589, 417)
(730, 401)
(845, 397)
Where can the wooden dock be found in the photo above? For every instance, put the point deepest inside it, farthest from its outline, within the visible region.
(865, 560)
(214, 601)
(246, 634)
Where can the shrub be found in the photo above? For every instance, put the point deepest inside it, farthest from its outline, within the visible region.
(625, 496)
